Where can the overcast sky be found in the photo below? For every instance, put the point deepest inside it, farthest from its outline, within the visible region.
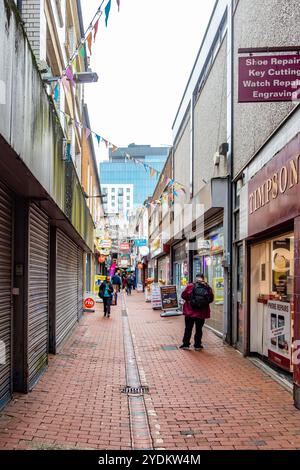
(143, 58)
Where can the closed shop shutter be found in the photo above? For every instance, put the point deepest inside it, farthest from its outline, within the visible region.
(38, 293)
(66, 286)
(80, 283)
(5, 295)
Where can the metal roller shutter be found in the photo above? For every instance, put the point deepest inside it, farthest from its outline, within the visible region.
(66, 286)
(6, 232)
(80, 283)
(38, 293)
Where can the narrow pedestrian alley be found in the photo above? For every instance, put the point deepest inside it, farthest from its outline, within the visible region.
(213, 399)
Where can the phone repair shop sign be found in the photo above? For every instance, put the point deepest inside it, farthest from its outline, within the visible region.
(269, 78)
(279, 333)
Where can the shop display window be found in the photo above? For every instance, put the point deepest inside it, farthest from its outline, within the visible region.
(272, 299)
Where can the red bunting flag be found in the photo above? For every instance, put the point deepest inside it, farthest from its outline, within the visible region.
(89, 42)
(96, 29)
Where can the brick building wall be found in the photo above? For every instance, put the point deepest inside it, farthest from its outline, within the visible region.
(34, 19)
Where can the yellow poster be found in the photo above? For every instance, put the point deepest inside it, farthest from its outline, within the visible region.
(97, 282)
(218, 288)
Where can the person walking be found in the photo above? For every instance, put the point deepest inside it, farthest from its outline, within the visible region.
(196, 310)
(105, 292)
(124, 282)
(129, 284)
(116, 283)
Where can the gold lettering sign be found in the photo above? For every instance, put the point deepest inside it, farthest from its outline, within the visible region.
(281, 181)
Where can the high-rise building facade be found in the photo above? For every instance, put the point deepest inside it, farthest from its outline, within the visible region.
(119, 172)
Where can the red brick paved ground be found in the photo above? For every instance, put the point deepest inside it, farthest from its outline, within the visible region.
(78, 402)
(213, 399)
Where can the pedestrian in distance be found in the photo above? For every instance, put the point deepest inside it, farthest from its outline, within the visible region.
(124, 282)
(129, 285)
(105, 293)
(116, 283)
(196, 310)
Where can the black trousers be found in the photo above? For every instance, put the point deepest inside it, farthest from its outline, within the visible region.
(106, 304)
(189, 324)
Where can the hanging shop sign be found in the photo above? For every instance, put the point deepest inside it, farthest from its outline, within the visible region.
(124, 246)
(269, 78)
(144, 250)
(273, 193)
(279, 333)
(140, 242)
(104, 244)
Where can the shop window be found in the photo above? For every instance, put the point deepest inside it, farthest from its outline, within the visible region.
(272, 305)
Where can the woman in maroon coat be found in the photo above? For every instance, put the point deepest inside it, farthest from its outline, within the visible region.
(195, 315)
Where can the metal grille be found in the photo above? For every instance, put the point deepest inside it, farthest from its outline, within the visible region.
(38, 293)
(66, 286)
(141, 390)
(5, 295)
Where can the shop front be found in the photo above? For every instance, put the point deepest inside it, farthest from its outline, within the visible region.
(180, 266)
(208, 260)
(273, 229)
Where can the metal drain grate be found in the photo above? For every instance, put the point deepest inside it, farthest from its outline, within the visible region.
(135, 390)
(169, 347)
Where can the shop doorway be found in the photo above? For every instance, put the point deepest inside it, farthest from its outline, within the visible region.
(271, 300)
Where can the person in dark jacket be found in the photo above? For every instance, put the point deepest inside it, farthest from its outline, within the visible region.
(116, 283)
(105, 292)
(195, 316)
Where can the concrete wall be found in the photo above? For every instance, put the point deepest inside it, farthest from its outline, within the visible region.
(29, 124)
(261, 24)
(210, 123)
(182, 172)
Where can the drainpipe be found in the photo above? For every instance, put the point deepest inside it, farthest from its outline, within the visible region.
(19, 5)
(230, 130)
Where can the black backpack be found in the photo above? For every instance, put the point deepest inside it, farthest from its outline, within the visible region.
(200, 297)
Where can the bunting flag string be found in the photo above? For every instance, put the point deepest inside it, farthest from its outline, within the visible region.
(172, 186)
(80, 50)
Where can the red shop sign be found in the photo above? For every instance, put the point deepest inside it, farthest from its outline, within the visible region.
(269, 78)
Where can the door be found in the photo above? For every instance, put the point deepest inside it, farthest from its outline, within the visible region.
(67, 296)
(6, 235)
(38, 293)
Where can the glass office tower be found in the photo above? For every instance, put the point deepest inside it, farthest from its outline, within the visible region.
(121, 171)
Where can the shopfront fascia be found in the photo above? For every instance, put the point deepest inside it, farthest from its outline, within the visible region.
(160, 260)
(209, 250)
(273, 238)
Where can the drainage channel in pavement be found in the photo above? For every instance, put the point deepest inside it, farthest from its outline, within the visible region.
(140, 432)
